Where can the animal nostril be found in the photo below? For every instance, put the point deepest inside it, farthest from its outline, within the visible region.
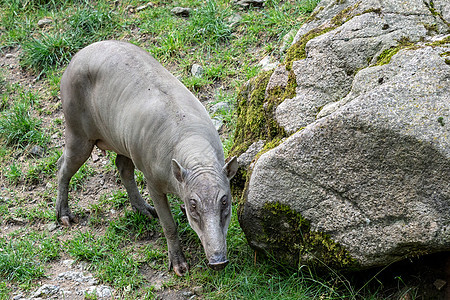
(217, 266)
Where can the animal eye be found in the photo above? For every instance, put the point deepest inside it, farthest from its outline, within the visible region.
(224, 201)
(193, 204)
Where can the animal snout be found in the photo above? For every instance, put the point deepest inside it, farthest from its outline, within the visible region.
(218, 265)
(218, 262)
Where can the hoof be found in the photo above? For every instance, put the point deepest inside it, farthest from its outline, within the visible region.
(181, 269)
(65, 221)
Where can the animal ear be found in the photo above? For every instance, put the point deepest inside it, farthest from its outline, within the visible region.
(178, 171)
(231, 167)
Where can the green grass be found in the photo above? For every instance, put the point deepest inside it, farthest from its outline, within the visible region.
(22, 258)
(18, 126)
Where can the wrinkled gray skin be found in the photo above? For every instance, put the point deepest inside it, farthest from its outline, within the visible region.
(118, 97)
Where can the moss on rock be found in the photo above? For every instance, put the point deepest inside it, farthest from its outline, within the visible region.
(288, 236)
(385, 56)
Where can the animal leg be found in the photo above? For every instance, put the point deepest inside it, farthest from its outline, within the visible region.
(177, 261)
(126, 171)
(76, 152)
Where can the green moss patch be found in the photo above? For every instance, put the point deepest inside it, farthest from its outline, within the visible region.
(385, 56)
(298, 50)
(290, 238)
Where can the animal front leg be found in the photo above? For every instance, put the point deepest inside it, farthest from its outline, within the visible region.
(126, 170)
(177, 261)
(75, 154)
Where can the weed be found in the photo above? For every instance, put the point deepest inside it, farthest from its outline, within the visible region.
(208, 23)
(96, 217)
(19, 260)
(17, 125)
(121, 269)
(88, 24)
(13, 174)
(44, 168)
(87, 246)
(49, 51)
(133, 224)
(117, 199)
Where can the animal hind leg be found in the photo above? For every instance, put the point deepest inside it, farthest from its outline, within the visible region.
(126, 171)
(76, 152)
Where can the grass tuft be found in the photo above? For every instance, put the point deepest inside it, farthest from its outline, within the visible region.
(47, 52)
(18, 127)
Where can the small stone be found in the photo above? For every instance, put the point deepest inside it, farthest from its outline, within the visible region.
(9, 56)
(197, 70)
(245, 159)
(181, 11)
(287, 39)
(95, 157)
(234, 20)
(130, 8)
(197, 290)
(187, 294)
(267, 64)
(44, 22)
(68, 263)
(217, 123)
(46, 290)
(100, 291)
(158, 286)
(17, 297)
(18, 221)
(52, 227)
(220, 106)
(143, 7)
(248, 3)
(37, 151)
(439, 284)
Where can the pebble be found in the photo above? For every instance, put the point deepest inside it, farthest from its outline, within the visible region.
(234, 20)
(187, 294)
(197, 290)
(43, 22)
(68, 263)
(9, 56)
(75, 276)
(46, 290)
(248, 3)
(37, 151)
(101, 291)
(181, 11)
(217, 123)
(197, 70)
(17, 297)
(220, 106)
(267, 64)
(51, 227)
(143, 7)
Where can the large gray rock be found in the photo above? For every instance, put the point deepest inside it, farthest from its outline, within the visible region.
(373, 176)
(367, 181)
(334, 57)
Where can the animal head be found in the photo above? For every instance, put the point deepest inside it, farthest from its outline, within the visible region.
(207, 198)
